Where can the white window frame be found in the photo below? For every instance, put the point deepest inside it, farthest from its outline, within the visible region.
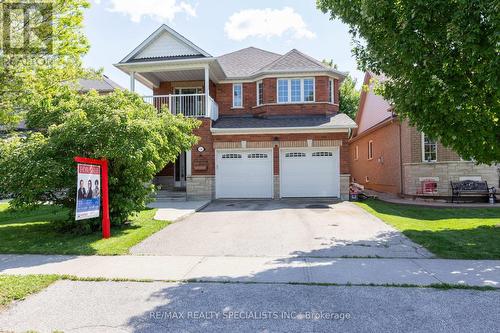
(356, 153)
(258, 94)
(289, 89)
(423, 150)
(370, 150)
(241, 89)
(331, 91)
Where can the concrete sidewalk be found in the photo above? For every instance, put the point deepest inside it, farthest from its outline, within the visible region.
(261, 269)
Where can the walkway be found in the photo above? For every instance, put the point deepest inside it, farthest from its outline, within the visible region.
(261, 269)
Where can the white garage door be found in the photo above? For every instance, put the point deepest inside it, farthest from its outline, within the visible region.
(244, 174)
(309, 172)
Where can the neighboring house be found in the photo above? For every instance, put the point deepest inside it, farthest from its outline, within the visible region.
(102, 86)
(270, 122)
(390, 156)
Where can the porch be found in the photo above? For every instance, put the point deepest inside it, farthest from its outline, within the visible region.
(172, 178)
(190, 105)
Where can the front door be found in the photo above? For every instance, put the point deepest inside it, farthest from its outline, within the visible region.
(180, 171)
(188, 103)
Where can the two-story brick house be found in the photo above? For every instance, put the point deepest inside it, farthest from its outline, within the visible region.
(271, 125)
(391, 156)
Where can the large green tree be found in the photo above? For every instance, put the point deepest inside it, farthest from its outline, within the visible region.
(136, 139)
(41, 52)
(443, 64)
(349, 97)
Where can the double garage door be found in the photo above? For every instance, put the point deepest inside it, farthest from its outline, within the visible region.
(304, 172)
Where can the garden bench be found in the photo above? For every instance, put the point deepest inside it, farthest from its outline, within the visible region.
(470, 187)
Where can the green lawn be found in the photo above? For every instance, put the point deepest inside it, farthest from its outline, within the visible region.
(454, 233)
(31, 231)
(17, 287)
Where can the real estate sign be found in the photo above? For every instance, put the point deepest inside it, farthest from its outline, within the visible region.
(88, 198)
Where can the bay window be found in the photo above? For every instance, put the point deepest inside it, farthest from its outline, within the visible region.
(283, 91)
(295, 90)
(260, 93)
(331, 91)
(237, 95)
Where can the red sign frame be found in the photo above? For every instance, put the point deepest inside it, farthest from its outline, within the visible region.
(106, 224)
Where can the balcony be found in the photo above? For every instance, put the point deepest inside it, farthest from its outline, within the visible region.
(190, 105)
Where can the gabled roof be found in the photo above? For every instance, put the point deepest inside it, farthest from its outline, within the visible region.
(295, 60)
(164, 44)
(251, 62)
(246, 61)
(373, 109)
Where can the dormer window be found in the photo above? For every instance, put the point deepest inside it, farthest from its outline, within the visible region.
(237, 95)
(296, 90)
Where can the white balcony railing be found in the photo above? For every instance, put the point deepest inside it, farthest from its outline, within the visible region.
(190, 105)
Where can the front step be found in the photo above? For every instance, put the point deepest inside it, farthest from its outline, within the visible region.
(166, 195)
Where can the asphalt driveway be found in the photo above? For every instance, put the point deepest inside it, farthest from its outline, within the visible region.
(266, 228)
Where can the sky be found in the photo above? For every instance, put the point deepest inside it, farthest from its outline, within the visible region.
(116, 27)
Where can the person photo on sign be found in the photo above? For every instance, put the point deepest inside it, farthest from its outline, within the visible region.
(89, 190)
(82, 194)
(97, 192)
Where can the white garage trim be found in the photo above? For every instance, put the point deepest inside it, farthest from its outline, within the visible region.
(330, 170)
(244, 173)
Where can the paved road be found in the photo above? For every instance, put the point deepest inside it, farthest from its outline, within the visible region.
(269, 228)
(157, 307)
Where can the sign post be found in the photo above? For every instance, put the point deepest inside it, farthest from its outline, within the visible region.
(103, 164)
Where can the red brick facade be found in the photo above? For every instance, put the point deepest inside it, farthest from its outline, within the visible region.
(383, 172)
(320, 106)
(203, 163)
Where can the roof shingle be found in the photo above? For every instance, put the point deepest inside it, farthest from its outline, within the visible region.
(246, 61)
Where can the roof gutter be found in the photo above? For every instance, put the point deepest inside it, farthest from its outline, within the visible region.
(280, 130)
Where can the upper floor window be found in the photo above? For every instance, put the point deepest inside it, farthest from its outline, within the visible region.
(308, 90)
(429, 149)
(356, 152)
(260, 93)
(370, 149)
(237, 95)
(295, 90)
(331, 91)
(282, 91)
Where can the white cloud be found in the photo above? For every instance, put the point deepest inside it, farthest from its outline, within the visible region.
(266, 23)
(159, 10)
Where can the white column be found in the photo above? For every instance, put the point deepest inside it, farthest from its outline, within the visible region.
(207, 92)
(132, 81)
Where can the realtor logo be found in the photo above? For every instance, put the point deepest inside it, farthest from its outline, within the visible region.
(27, 27)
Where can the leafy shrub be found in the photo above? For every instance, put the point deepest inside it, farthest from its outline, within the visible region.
(133, 136)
